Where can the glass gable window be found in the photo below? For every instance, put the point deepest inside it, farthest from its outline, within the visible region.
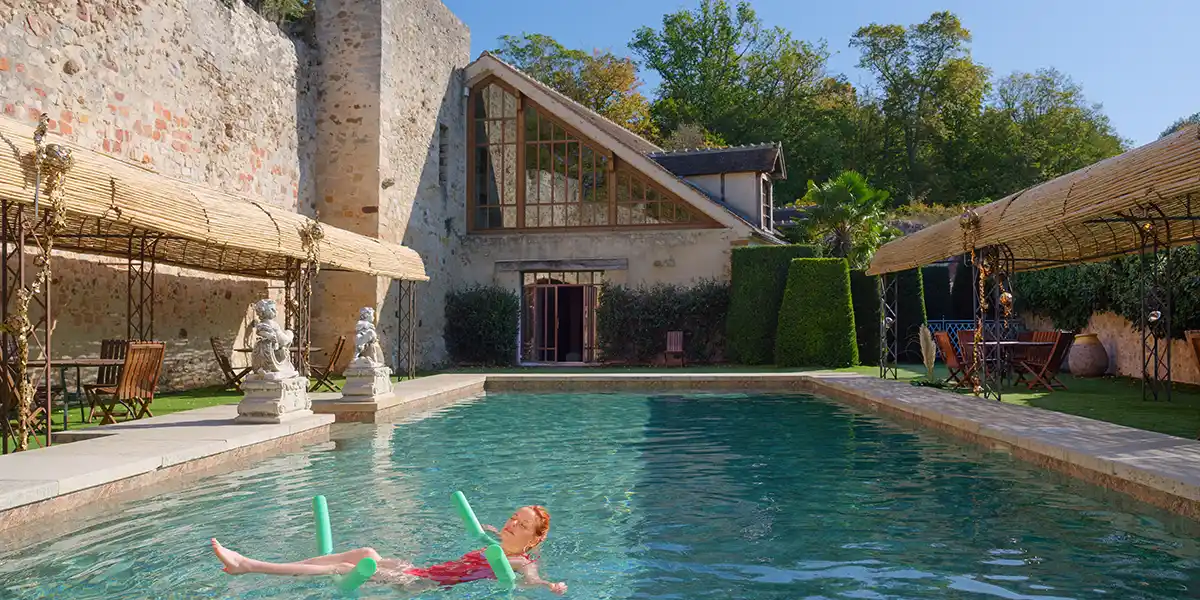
(529, 171)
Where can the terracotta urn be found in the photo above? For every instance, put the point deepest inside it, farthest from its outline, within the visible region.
(1087, 357)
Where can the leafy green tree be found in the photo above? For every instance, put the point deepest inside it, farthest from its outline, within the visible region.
(724, 70)
(1180, 124)
(601, 81)
(849, 215)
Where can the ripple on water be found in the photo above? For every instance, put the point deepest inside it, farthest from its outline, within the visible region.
(667, 496)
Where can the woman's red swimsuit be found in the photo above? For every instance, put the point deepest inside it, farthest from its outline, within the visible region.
(472, 566)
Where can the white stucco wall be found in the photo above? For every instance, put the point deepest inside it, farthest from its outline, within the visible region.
(741, 191)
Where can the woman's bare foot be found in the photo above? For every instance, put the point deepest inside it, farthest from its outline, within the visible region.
(235, 564)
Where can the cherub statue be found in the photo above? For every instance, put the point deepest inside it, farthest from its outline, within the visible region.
(366, 339)
(272, 348)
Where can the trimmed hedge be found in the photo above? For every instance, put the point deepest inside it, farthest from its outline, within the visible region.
(1070, 295)
(962, 299)
(816, 318)
(936, 281)
(632, 323)
(481, 325)
(759, 275)
(910, 315)
(864, 293)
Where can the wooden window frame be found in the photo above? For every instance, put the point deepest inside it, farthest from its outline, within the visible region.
(702, 221)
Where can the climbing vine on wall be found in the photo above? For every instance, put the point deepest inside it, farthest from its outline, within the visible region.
(51, 163)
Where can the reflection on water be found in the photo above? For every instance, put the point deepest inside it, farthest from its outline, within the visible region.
(710, 496)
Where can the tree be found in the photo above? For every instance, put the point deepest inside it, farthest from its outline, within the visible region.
(601, 81)
(1180, 124)
(930, 87)
(689, 136)
(850, 215)
(724, 70)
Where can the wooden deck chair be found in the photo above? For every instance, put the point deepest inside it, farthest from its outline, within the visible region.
(106, 376)
(959, 374)
(675, 346)
(233, 377)
(322, 375)
(136, 384)
(1044, 367)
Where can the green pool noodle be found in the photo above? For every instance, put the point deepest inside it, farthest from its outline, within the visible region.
(500, 565)
(324, 532)
(363, 571)
(501, 568)
(474, 529)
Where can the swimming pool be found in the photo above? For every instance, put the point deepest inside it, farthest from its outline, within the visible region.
(652, 496)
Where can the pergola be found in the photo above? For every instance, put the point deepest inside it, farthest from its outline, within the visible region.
(109, 207)
(1144, 201)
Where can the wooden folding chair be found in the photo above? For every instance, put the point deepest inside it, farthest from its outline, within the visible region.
(136, 384)
(675, 346)
(1043, 366)
(106, 376)
(959, 374)
(233, 378)
(323, 374)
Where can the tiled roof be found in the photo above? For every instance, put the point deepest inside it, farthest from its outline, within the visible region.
(759, 158)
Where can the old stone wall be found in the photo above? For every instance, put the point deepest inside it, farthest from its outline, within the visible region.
(193, 89)
(672, 257)
(1123, 343)
(392, 132)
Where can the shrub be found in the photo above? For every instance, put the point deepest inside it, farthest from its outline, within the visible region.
(816, 319)
(962, 299)
(936, 281)
(864, 293)
(632, 323)
(481, 325)
(759, 275)
(910, 315)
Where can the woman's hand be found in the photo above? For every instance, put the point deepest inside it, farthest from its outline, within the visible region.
(559, 588)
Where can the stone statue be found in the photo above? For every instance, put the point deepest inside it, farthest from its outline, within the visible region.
(271, 358)
(366, 339)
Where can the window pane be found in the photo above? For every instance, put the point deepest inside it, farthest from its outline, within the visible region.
(531, 216)
(510, 174)
(510, 131)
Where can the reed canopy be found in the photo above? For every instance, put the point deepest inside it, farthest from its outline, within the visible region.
(1108, 209)
(110, 205)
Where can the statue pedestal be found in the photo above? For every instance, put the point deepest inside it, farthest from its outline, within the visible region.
(274, 401)
(365, 381)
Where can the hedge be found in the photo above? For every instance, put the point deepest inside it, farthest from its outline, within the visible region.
(816, 317)
(962, 299)
(481, 325)
(910, 315)
(1070, 295)
(936, 281)
(759, 275)
(632, 323)
(864, 293)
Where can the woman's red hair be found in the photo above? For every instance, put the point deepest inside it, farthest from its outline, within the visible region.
(540, 529)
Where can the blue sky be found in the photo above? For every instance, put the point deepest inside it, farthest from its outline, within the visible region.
(1137, 59)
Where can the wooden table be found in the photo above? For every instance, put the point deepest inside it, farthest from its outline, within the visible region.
(1006, 347)
(62, 365)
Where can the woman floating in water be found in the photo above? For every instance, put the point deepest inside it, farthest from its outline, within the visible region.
(523, 533)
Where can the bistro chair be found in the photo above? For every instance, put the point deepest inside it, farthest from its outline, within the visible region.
(325, 373)
(675, 346)
(136, 384)
(233, 377)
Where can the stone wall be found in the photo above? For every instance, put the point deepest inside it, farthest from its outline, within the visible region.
(192, 89)
(392, 140)
(1123, 343)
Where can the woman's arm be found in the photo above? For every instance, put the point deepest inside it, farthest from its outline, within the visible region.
(532, 578)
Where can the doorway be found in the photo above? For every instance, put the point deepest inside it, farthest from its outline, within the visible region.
(559, 324)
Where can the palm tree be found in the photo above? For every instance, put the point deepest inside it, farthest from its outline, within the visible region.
(849, 214)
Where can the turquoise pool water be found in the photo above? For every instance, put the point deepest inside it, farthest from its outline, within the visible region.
(661, 496)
